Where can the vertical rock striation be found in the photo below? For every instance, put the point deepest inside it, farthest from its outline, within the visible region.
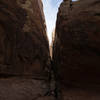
(76, 51)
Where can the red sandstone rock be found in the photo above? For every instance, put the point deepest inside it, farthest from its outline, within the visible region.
(24, 51)
(24, 45)
(76, 46)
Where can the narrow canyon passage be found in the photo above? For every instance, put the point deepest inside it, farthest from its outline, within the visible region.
(27, 71)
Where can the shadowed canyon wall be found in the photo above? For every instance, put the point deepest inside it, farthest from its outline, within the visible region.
(76, 50)
(25, 65)
(24, 51)
(23, 41)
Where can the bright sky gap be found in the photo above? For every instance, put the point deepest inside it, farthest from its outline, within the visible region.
(50, 11)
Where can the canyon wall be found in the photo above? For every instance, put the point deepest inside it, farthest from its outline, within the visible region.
(24, 45)
(76, 51)
(24, 51)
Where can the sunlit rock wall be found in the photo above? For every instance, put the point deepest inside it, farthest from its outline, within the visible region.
(24, 48)
(76, 50)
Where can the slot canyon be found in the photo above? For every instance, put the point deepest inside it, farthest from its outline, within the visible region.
(28, 72)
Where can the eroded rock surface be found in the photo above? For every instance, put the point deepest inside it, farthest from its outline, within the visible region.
(24, 51)
(24, 45)
(76, 47)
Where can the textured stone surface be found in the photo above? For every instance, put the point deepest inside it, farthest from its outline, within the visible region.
(76, 46)
(81, 94)
(24, 45)
(24, 51)
(24, 89)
